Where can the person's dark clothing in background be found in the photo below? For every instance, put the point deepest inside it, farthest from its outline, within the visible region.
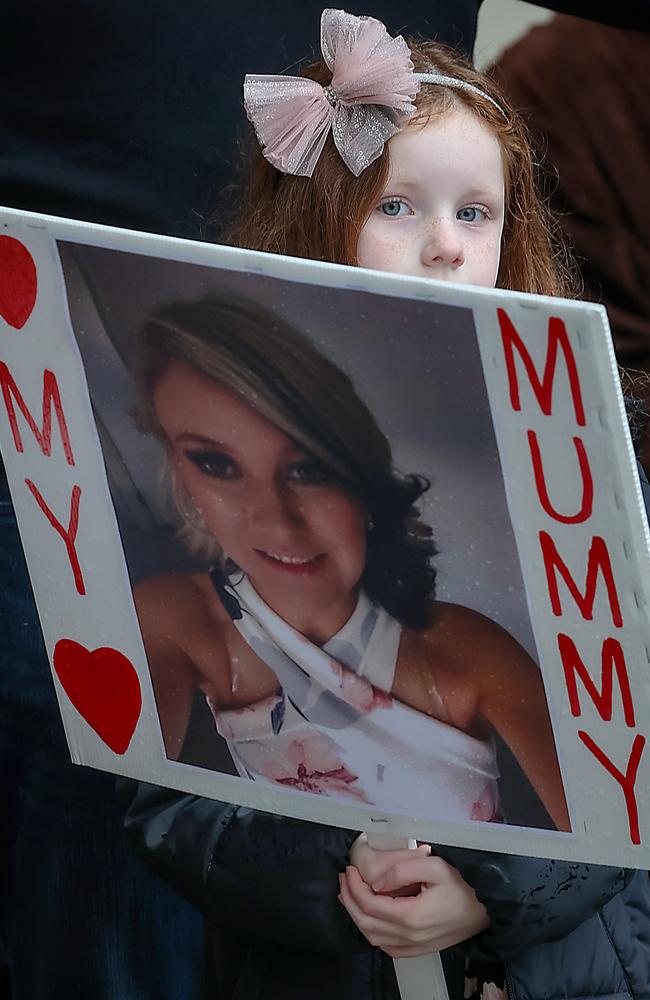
(128, 113)
(125, 114)
(583, 91)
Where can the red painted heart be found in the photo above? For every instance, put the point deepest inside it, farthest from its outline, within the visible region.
(17, 282)
(104, 688)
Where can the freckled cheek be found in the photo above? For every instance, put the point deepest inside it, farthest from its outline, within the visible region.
(494, 257)
(383, 250)
(486, 257)
(489, 249)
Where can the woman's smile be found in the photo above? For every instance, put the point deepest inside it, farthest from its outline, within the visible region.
(293, 563)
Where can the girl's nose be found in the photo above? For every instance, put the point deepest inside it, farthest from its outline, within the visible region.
(443, 246)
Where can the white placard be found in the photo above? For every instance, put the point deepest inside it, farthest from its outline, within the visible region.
(508, 404)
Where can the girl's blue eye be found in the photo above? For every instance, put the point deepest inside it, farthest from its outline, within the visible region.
(471, 213)
(393, 208)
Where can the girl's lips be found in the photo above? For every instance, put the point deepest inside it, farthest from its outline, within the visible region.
(302, 565)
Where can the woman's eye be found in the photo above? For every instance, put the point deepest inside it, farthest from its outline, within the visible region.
(311, 473)
(213, 463)
(472, 213)
(394, 207)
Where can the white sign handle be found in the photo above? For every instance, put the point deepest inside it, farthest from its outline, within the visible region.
(420, 978)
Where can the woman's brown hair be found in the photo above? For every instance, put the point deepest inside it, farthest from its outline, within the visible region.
(320, 217)
(281, 375)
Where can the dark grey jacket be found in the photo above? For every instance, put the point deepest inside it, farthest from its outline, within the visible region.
(268, 886)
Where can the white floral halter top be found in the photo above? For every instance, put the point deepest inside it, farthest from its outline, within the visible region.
(332, 727)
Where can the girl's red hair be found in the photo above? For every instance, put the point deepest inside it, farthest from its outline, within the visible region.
(320, 217)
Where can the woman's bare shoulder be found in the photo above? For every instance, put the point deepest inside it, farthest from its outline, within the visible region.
(453, 625)
(178, 599)
(171, 584)
(468, 641)
(459, 654)
(435, 669)
(465, 643)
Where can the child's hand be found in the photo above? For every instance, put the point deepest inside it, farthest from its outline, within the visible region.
(373, 865)
(445, 911)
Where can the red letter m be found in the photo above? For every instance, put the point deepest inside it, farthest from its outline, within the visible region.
(51, 398)
(612, 658)
(598, 559)
(543, 389)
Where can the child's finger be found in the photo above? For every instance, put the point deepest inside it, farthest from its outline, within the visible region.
(397, 913)
(407, 871)
(373, 864)
(378, 932)
(364, 897)
(404, 890)
(383, 933)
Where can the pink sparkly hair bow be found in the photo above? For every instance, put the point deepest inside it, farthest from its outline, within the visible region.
(369, 99)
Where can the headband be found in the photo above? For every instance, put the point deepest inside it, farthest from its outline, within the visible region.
(370, 98)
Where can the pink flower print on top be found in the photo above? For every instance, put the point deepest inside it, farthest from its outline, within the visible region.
(249, 722)
(358, 692)
(485, 807)
(312, 766)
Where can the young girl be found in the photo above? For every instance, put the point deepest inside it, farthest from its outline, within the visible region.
(367, 164)
(480, 149)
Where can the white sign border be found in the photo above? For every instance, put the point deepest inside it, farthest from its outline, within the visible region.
(581, 845)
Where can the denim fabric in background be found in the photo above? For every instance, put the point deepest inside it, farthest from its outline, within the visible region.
(81, 917)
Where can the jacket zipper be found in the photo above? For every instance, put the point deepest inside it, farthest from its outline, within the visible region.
(507, 981)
